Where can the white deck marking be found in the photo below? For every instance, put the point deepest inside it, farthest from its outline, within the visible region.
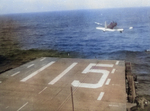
(100, 83)
(105, 65)
(105, 73)
(22, 106)
(113, 71)
(117, 62)
(100, 96)
(111, 105)
(115, 84)
(36, 72)
(42, 90)
(86, 70)
(7, 107)
(15, 73)
(62, 74)
(30, 65)
(108, 81)
(0, 81)
(93, 64)
(43, 59)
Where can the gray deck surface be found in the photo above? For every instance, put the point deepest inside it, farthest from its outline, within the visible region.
(44, 85)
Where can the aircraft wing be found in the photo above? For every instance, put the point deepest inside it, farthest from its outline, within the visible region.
(108, 29)
(101, 28)
(119, 30)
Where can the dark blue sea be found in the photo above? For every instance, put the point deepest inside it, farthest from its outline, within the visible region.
(75, 32)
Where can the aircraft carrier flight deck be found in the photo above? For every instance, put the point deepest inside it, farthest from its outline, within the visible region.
(45, 85)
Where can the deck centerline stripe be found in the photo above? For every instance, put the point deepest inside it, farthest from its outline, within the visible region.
(62, 74)
(100, 96)
(117, 62)
(22, 106)
(43, 59)
(30, 65)
(7, 107)
(42, 90)
(15, 73)
(108, 81)
(111, 105)
(113, 71)
(36, 72)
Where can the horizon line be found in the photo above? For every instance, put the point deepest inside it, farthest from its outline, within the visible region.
(71, 10)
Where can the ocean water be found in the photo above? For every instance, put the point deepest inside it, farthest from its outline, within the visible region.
(76, 33)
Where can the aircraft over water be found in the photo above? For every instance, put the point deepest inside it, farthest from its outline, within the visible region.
(110, 27)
